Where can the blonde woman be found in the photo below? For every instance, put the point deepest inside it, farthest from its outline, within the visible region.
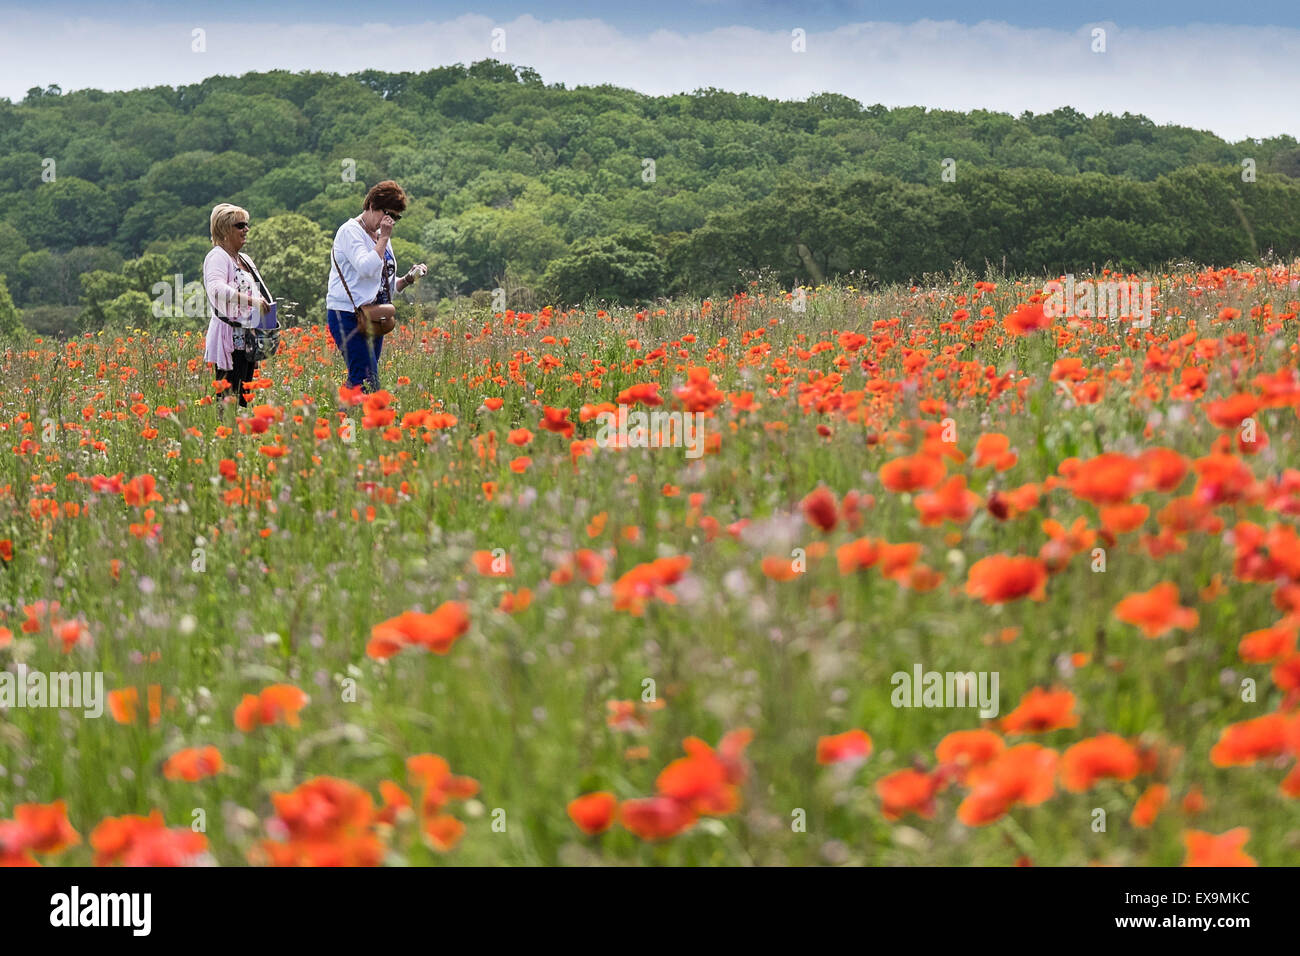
(237, 298)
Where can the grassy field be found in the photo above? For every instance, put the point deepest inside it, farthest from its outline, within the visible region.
(330, 590)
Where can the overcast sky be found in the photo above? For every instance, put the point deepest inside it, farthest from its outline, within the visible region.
(1175, 62)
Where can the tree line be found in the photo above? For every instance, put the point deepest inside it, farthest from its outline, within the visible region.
(599, 191)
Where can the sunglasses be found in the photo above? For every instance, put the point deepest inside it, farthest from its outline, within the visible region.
(395, 216)
(241, 225)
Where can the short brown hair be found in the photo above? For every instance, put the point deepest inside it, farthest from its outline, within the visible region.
(386, 195)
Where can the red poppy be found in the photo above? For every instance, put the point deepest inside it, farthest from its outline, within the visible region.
(1225, 849)
(852, 747)
(1156, 611)
(1042, 710)
(1001, 578)
(1103, 756)
(593, 812)
(820, 509)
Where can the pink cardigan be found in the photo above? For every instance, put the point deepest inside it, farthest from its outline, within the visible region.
(219, 279)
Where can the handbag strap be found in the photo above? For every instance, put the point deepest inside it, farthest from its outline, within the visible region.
(252, 270)
(266, 293)
(344, 281)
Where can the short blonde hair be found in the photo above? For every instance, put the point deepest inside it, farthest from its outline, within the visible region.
(224, 217)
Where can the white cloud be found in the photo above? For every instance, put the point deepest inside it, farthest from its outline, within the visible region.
(1236, 81)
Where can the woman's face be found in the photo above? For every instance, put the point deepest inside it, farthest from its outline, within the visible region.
(238, 234)
(371, 218)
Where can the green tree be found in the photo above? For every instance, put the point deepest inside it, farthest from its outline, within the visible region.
(11, 320)
(293, 255)
(35, 277)
(73, 212)
(12, 247)
(144, 273)
(285, 188)
(200, 178)
(624, 267)
(132, 310)
(142, 222)
(98, 288)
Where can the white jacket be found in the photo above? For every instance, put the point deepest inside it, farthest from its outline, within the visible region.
(355, 252)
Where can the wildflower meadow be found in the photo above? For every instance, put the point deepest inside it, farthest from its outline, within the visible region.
(959, 572)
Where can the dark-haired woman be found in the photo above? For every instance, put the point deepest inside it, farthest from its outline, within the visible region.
(363, 271)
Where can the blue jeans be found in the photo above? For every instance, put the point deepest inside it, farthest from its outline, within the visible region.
(361, 353)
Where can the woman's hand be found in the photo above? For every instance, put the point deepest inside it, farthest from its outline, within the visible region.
(416, 272)
(385, 227)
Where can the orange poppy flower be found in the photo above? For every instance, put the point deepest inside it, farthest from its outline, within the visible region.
(1000, 578)
(897, 560)
(556, 420)
(966, 749)
(779, 568)
(1286, 675)
(442, 831)
(1225, 849)
(140, 490)
(1149, 805)
(706, 780)
(857, 555)
(1268, 644)
(493, 564)
(326, 822)
(851, 747)
(1042, 710)
(1230, 412)
(646, 393)
(1156, 611)
(1247, 741)
(145, 841)
(279, 702)
(655, 818)
(994, 449)
(193, 763)
(516, 602)
(1222, 479)
(1108, 479)
(1096, 758)
(1165, 468)
(124, 703)
(436, 632)
(1021, 776)
(908, 791)
(649, 580)
(1029, 317)
(438, 785)
(38, 828)
(951, 501)
(912, 473)
(593, 812)
(1122, 519)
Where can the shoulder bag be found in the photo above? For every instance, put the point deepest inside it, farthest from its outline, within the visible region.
(266, 337)
(374, 321)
